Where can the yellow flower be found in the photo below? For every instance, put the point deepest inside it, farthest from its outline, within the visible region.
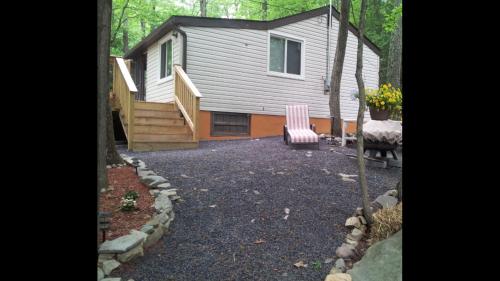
(382, 102)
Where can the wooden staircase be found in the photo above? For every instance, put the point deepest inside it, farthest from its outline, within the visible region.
(152, 126)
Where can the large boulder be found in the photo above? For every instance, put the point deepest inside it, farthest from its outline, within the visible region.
(338, 277)
(386, 201)
(100, 274)
(382, 261)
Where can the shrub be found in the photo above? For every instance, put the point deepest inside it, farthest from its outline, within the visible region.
(129, 202)
(386, 222)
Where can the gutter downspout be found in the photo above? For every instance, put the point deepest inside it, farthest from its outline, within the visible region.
(328, 26)
(184, 47)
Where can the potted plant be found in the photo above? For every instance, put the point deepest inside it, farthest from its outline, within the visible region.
(384, 102)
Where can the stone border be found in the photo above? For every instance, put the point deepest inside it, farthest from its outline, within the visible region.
(125, 248)
(358, 225)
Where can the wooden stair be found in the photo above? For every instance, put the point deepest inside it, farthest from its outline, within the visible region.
(159, 126)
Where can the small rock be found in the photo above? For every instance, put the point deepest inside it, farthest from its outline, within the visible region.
(359, 211)
(352, 222)
(113, 165)
(391, 192)
(256, 192)
(185, 176)
(175, 198)
(335, 270)
(252, 221)
(169, 192)
(212, 206)
(362, 219)
(280, 173)
(214, 150)
(308, 155)
(163, 203)
(326, 171)
(340, 264)
(386, 201)
(328, 260)
(100, 274)
(103, 190)
(148, 229)
(287, 211)
(120, 245)
(203, 189)
(127, 256)
(285, 217)
(357, 234)
(163, 185)
(154, 237)
(345, 251)
(251, 173)
(148, 180)
(350, 241)
(109, 265)
(108, 166)
(338, 277)
(154, 192)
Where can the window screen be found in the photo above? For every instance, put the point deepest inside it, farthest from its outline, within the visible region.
(230, 124)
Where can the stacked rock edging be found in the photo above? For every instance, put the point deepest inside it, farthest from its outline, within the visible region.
(357, 224)
(125, 248)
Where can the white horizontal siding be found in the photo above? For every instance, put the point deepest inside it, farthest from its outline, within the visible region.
(229, 67)
(163, 92)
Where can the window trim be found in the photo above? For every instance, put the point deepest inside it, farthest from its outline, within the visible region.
(168, 77)
(230, 134)
(287, 37)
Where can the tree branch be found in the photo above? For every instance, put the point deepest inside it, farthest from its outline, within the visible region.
(119, 22)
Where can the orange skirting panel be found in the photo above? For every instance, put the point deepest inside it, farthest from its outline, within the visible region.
(264, 126)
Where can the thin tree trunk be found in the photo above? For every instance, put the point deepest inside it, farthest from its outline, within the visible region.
(125, 34)
(361, 114)
(103, 34)
(394, 65)
(203, 8)
(338, 65)
(264, 10)
(143, 29)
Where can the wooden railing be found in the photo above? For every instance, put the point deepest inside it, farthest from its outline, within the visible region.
(124, 89)
(187, 98)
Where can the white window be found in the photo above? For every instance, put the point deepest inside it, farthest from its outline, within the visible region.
(166, 55)
(286, 56)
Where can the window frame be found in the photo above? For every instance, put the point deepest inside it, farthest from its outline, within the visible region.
(167, 77)
(287, 37)
(213, 133)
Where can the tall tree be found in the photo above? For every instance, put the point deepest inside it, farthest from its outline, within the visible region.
(361, 114)
(394, 65)
(103, 34)
(338, 65)
(203, 8)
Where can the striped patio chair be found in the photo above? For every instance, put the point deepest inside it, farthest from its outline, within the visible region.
(298, 130)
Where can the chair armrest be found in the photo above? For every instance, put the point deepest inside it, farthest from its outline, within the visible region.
(313, 127)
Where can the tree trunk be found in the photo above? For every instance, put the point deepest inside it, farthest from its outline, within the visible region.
(361, 114)
(394, 65)
(103, 34)
(203, 8)
(264, 10)
(338, 65)
(125, 34)
(143, 29)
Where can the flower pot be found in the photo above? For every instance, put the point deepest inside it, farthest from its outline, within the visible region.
(378, 114)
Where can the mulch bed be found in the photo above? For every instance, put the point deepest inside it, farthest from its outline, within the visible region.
(120, 181)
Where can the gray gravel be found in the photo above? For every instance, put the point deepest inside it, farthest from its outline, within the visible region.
(217, 243)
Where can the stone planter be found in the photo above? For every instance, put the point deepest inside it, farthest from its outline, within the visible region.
(378, 114)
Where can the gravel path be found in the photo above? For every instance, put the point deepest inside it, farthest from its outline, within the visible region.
(251, 182)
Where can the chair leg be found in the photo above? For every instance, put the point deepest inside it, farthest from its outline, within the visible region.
(394, 155)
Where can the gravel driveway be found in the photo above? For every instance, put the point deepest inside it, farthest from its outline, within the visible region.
(235, 193)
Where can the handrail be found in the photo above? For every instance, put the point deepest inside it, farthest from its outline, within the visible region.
(125, 89)
(187, 98)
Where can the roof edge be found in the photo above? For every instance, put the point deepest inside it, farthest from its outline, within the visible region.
(175, 21)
